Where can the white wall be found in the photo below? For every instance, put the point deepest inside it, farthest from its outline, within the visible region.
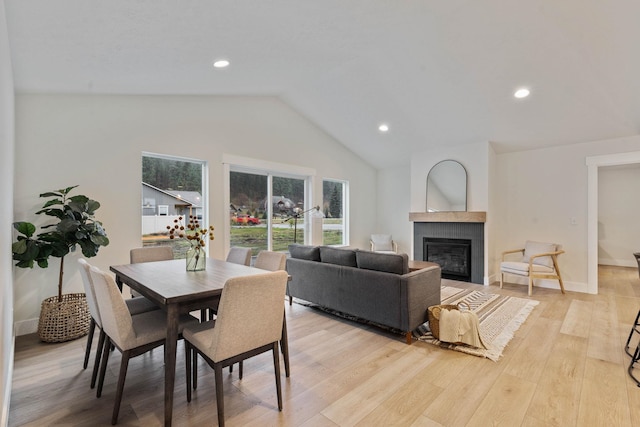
(618, 207)
(6, 216)
(393, 207)
(96, 142)
(544, 197)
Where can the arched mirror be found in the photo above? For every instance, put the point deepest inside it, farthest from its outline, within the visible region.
(447, 187)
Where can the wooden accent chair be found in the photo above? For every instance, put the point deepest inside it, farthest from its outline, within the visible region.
(249, 323)
(383, 243)
(538, 261)
(132, 335)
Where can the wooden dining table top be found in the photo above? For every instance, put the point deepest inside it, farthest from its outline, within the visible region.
(168, 282)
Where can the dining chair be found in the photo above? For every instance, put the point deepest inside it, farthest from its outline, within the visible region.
(134, 305)
(238, 255)
(149, 254)
(249, 323)
(133, 335)
(274, 261)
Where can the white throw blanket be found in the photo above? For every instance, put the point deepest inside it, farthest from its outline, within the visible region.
(460, 327)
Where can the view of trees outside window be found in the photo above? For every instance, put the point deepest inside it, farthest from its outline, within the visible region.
(249, 210)
(171, 188)
(333, 207)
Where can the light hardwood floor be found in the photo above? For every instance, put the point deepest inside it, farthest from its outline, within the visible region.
(565, 367)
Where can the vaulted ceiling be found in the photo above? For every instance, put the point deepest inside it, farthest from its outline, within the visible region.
(439, 73)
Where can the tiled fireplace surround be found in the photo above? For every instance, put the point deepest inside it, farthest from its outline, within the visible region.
(452, 225)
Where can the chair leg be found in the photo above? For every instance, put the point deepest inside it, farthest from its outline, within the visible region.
(284, 346)
(188, 369)
(501, 279)
(124, 364)
(530, 285)
(240, 370)
(219, 396)
(87, 351)
(96, 364)
(276, 368)
(194, 367)
(103, 368)
(634, 328)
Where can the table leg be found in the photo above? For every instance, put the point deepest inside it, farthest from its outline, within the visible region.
(170, 345)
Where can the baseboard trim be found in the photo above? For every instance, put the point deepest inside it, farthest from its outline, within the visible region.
(25, 327)
(617, 262)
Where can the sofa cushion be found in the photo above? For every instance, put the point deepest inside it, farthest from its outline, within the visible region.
(346, 257)
(389, 263)
(310, 253)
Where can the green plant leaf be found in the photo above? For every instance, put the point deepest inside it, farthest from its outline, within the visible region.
(43, 263)
(25, 228)
(52, 202)
(51, 194)
(19, 247)
(67, 190)
(25, 264)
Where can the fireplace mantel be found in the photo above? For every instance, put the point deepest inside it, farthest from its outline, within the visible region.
(448, 216)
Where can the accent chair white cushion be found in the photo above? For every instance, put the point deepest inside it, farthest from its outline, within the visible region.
(382, 242)
(533, 248)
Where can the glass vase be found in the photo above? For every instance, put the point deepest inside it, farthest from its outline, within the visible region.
(196, 259)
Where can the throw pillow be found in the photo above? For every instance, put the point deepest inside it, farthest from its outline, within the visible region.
(310, 253)
(533, 248)
(388, 263)
(346, 257)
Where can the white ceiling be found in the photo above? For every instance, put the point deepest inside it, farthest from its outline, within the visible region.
(440, 72)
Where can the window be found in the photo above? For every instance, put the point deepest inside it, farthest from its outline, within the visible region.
(266, 210)
(269, 204)
(176, 187)
(334, 207)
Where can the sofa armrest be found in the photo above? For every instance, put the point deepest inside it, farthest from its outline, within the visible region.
(421, 289)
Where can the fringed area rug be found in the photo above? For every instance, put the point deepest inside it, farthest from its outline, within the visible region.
(500, 317)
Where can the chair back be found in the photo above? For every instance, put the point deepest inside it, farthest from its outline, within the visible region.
(116, 318)
(272, 261)
(381, 242)
(239, 255)
(92, 302)
(150, 253)
(250, 314)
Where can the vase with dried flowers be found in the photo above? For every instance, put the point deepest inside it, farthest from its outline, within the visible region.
(197, 236)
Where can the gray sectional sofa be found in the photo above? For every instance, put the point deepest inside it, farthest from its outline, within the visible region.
(369, 285)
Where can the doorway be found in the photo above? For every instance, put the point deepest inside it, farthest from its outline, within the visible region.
(593, 164)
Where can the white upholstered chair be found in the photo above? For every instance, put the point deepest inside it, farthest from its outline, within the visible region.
(149, 254)
(272, 261)
(538, 260)
(132, 335)
(383, 243)
(134, 305)
(239, 255)
(249, 323)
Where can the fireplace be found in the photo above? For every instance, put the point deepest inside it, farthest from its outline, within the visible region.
(470, 230)
(453, 256)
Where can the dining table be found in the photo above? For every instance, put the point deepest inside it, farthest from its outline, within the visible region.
(178, 291)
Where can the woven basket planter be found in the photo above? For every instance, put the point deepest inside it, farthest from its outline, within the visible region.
(64, 320)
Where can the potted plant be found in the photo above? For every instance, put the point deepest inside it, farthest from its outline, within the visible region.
(65, 316)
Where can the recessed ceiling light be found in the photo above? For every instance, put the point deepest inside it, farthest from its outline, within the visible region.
(221, 63)
(383, 127)
(522, 93)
